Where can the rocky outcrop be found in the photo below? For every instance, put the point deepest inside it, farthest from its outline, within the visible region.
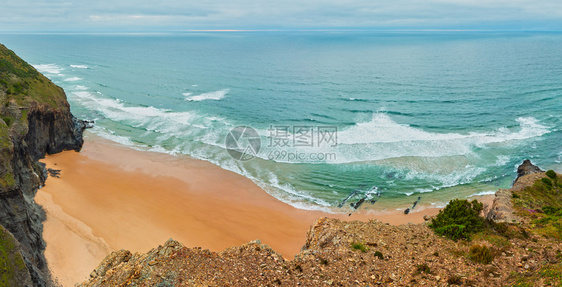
(337, 253)
(526, 168)
(502, 206)
(35, 120)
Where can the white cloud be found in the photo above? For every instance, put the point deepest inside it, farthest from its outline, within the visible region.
(257, 14)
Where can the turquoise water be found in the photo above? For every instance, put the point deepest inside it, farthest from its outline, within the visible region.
(437, 115)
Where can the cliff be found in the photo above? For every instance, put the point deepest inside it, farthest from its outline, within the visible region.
(341, 253)
(35, 120)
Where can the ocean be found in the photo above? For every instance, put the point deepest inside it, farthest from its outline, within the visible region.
(312, 117)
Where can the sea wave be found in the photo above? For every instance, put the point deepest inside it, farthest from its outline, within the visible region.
(79, 66)
(216, 95)
(382, 138)
(486, 192)
(51, 69)
(72, 79)
(80, 88)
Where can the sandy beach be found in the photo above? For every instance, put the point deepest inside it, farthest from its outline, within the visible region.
(111, 197)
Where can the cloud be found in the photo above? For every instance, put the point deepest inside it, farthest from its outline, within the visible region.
(128, 15)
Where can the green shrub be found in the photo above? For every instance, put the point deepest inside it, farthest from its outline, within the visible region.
(359, 246)
(379, 254)
(8, 120)
(459, 219)
(453, 231)
(423, 268)
(480, 254)
(546, 181)
(550, 210)
(551, 174)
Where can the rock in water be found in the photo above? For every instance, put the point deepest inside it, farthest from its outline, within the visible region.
(527, 168)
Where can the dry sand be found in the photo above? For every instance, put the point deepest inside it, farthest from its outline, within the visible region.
(111, 197)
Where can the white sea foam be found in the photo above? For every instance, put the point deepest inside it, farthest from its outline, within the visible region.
(502, 160)
(110, 135)
(486, 192)
(187, 94)
(79, 66)
(382, 129)
(72, 79)
(217, 95)
(80, 88)
(165, 123)
(49, 69)
(383, 138)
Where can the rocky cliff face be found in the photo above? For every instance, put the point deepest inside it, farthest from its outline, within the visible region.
(35, 120)
(502, 208)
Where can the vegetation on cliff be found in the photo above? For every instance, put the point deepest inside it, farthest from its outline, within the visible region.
(20, 82)
(35, 119)
(13, 272)
(459, 219)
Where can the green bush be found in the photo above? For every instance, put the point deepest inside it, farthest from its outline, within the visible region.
(453, 231)
(423, 268)
(379, 254)
(546, 181)
(459, 219)
(8, 121)
(551, 174)
(551, 210)
(480, 254)
(359, 246)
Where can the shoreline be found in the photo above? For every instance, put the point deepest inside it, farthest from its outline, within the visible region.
(112, 197)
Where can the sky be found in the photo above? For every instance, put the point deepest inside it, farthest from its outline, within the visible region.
(178, 15)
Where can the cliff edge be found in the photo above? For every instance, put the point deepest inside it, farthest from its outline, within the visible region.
(35, 120)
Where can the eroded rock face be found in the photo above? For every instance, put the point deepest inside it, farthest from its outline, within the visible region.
(35, 120)
(527, 168)
(502, 207)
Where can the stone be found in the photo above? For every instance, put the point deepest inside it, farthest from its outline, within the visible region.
(527, 168)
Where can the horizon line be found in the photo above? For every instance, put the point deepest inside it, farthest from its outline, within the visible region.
(278, 30)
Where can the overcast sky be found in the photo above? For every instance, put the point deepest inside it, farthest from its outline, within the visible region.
(176, 15)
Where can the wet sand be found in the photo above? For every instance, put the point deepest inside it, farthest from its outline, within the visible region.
(111, 197)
